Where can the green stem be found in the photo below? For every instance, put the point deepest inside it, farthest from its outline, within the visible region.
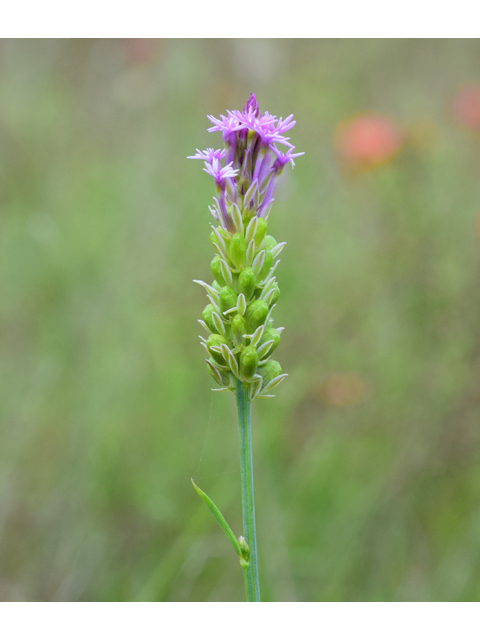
(247, 576)
(248, 502)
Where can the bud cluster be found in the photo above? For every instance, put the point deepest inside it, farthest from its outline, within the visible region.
(238, 319)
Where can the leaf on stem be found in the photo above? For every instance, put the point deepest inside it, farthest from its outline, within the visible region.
(220, 519)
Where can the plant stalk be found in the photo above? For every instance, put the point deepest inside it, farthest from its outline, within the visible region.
(248, 502)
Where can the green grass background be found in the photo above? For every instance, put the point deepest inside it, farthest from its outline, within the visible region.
(106, 409)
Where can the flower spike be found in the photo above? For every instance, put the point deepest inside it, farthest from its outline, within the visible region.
(245, 291)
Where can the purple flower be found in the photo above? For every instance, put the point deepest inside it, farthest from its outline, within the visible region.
(208, 155)
(269, 130)
(215, 169)
(251, 157)
(228, 125)
(285, 158)
(252, 106)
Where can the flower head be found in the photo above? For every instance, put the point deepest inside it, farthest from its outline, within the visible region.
(367, 140)
(251, 156)
(215, 169)
(284, 158)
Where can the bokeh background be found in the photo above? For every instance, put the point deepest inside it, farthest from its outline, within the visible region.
(367, 462)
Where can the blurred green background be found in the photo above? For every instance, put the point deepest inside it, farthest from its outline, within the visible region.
(367, 462)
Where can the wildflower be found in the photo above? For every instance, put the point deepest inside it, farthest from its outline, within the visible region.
(367, 141)
(466, 106)
(238, 320)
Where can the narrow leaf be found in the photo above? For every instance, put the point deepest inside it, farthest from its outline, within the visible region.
(219, 518)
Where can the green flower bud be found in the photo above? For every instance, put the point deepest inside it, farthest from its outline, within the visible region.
(216, 340)
(270, 242)
(261, 231)
(269, 371)
(228, 298)
(276, 294)
(247, 282)
(239, 329)
(238, 250)
(223, 375)
(214, 239)
(270, 334)
(267, 265)
(248, 363)
(217, 271)
(207, 317)
(255, 314)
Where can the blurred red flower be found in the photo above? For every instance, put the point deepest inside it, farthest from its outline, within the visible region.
(466, 106)
(367, 140)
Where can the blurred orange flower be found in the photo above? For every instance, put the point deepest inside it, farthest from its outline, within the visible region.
(466, 106)
(367, 140)
(343, 390)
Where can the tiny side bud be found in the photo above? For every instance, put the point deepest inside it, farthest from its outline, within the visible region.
(242, 543)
